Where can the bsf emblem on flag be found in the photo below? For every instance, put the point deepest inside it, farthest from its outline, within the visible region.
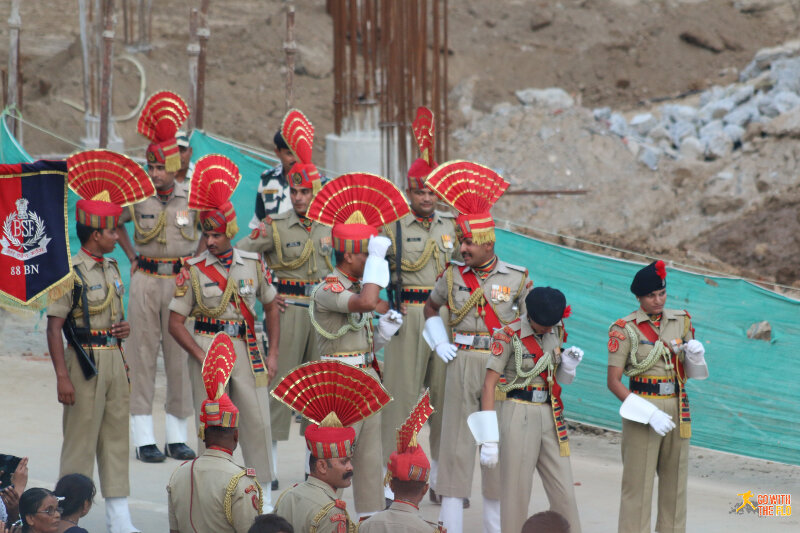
(24, 234)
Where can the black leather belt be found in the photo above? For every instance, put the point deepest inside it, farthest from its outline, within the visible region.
(664, 388)
(231, 328)
(295, 288)
(415, 296)
(532, 396)
(162, 268)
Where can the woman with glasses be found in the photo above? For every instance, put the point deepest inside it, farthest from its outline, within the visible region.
(78, 493)
(39, 511)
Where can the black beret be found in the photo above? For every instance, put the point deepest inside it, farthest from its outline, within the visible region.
(279, 142)
(651, 278)
(545, 305)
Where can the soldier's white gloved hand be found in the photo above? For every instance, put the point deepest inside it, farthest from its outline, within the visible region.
(661, 422)
(376, 269)
(695, 351)
(490, 454)
(378, 245)
(436, 337)
(446, 351)
(389, 323)
(571, 357)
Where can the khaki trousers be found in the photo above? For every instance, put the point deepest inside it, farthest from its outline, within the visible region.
(409, 366)
(465, 375)
(148, 314)
(253, 404)
(644, 454)
(96, 425)
(528, 441)
(368, 464)
(298, 345)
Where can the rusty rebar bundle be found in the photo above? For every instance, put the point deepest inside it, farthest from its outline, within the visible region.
(390, 56)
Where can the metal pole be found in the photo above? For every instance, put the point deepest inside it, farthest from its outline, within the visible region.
(105, 88)
(338, 63)
(14, 25)
(290, 47)
(193, 50)
(82, 14)
(203, 33)
(444, 129)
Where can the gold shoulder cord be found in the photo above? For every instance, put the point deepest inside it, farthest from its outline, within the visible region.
(355, 321)
(637, 368)
(431, 249)
(474, 300)
(211, 312)
(227, 503)
(545, 362)
(351, 528)
(142, 236)
(308, 251)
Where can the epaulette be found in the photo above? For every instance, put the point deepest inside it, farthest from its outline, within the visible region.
(445, 214)
(249, 255)
(250, 472)
(620, 322)
(518, 268)
(278, 216)
(680, 312)
(333, 284)
(197, 259)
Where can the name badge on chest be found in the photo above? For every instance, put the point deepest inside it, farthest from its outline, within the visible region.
(182, 218)
(447, 241)
(246, 287)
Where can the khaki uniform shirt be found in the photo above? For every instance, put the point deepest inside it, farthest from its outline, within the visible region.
(505, 288)
(103, 291)
(178, 233)
(313, 507)
(212, 493)
(503, 360)
(285, 240)
(400, 517)
(331, 313)
(421, 266)
(247, 276)
(675, 324)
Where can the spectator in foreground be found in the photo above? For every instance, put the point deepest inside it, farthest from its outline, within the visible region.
(9, 496)
(270, 523)
(546, 522)
(39, 511)
(78, 492)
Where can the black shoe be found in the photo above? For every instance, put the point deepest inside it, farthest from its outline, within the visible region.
(150, 454)
(180, 451)
(435, 498)
(465, 503)
(388, 502)
(306, 477)
(275, 484)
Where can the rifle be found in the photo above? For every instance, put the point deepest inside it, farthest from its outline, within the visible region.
(70, 329)
(397, 287)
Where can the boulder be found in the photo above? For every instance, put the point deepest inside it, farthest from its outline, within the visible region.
(618, 125)
(649, 157)
(602, 113)
(680, 130)
(735, 133)
(692, 149)
(741, 115)
(785, 125)
(676, 112)
(718, 145)
(643, 123)
(552, 98)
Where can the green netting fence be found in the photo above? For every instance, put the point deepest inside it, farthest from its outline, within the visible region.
(750, 404)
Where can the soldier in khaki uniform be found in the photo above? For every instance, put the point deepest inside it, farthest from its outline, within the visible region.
(213, 493)
(96, 401)
(325, 392)
(165, 233)
(656, 349)
(220, 291)
(298, 251)
(482, 294)
(425, 242)
(408, 474)
(342, 306)
(525, 374)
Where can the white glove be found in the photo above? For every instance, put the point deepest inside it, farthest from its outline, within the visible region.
(378, 245)
(638, 409)
(490, 454)
(436, 337)
(695, 362)
(570, 358)
(569, 362)
(389, 323)
(376, 270)
(661, 422)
